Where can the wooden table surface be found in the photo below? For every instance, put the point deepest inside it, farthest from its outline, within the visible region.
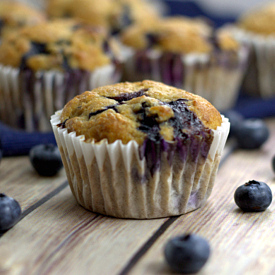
(57, 236)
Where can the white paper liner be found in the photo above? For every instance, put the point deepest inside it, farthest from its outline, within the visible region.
(101, 176)
(49, 93)
(264, 49)
(213, 81)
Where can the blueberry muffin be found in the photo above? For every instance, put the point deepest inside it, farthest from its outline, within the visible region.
(140, 150)
(113, 15)
(256, 28)
(14, 15)
(186, 53)
(44, 65)
(140, 12)
(259, 20)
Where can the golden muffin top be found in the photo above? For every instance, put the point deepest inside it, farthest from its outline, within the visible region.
(179, 35)
(260, 21)
(15, 14)
(57, 45)
(139, 111)
(113, 15)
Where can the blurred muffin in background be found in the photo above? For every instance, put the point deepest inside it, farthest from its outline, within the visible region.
(15, 14)
(114, 15)
(45, 65)
(256, 28)
(138, 12)
(186, 53)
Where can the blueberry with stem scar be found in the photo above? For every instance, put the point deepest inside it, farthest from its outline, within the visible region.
(253, 196)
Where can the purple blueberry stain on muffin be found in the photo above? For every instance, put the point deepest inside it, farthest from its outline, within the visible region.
(36, 48)
(137, 176)
(113, 107)
(188, 130)
(152, 39)
(128, 96)
(152, 151)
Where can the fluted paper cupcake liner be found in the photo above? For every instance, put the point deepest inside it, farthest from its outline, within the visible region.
(259, 80)
(216, 76)
(113, 179)
(28, 99)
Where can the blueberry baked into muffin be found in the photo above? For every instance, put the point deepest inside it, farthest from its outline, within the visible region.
(256, 28)
(14, 15)
(140, 150)
(113, 15)
(186, 53)
(45, 65)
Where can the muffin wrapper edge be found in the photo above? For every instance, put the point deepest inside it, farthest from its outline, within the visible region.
(111, 179)
(260, 79)
(216, 77)
(28, 99)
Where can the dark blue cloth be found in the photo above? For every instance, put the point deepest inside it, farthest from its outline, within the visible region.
(251, 107)
(16, 142)
(191, 9)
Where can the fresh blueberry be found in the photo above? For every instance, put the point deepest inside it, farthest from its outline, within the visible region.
(273, 164)
(10, 212)
(253, 196)
(251, 134)
(46, 159)
(235, 119)
(187, 253)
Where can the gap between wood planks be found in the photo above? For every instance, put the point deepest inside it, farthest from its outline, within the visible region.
(136, 257)
(231, 148)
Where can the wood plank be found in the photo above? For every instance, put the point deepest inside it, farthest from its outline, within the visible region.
(60, 237)
(20, 181)
(242, 243)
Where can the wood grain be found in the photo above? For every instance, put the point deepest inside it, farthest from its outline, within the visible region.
(242, 243)
(19, 180)
(60, 237)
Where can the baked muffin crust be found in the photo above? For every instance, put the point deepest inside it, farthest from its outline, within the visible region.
(113, 15)
(15, 14)
(57, 45)
(139, 111)
(260, 21)
(178, 35)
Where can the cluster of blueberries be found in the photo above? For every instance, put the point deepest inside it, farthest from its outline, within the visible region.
(187, 253)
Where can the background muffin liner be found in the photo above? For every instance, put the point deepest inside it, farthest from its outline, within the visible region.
(259, 80)
(216, 76)
(113, 179)
(28, 99)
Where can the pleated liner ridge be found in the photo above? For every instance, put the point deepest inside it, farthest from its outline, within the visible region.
(28, 99)
(111, 179)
